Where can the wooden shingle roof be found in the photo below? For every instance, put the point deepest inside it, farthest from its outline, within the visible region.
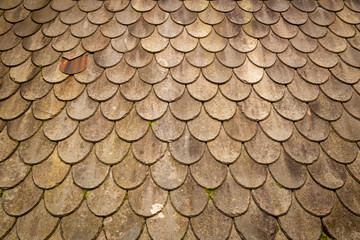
(175, 119)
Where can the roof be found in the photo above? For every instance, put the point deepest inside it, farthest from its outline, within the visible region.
(179, 119)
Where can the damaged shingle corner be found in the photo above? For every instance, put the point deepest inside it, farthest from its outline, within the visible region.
(75, 65)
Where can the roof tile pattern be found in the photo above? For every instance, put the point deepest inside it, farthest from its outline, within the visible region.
(190, 119)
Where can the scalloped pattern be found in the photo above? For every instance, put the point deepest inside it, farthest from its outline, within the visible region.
(189, 119)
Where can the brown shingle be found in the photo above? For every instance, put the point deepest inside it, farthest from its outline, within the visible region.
(185, 115)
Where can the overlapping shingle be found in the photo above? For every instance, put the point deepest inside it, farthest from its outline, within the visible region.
(190, 119)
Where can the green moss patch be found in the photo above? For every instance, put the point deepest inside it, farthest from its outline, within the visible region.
(85, 193)
(126, 196)
(150, 123)
(278, 184)
(209, 192)
(323, 236)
